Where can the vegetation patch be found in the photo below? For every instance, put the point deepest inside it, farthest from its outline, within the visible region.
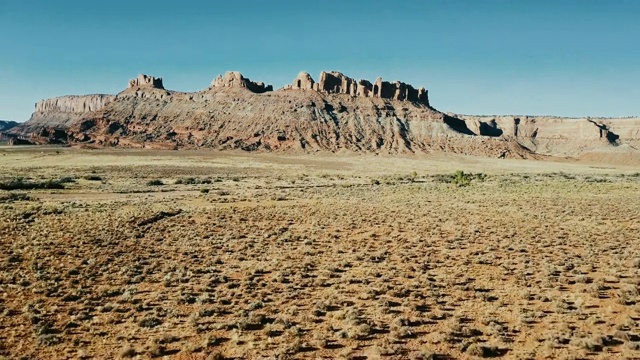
(460, 178)
(22, 184)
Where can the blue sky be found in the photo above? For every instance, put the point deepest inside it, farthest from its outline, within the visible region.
(556, 57)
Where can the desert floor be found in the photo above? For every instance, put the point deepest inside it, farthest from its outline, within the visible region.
(222, 255)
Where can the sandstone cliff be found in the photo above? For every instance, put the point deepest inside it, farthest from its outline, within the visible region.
(146, 81)
(235, 79)
(61, 111)
(335, 82)
(561, 136)
(334, 114)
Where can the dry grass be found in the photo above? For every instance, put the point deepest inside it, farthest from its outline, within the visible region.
(282, 259)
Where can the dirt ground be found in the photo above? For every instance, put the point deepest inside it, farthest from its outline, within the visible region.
(222, 255)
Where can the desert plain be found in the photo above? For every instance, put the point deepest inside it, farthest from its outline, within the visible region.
(117, 253)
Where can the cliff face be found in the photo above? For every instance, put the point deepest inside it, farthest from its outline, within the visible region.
(335, 82)
(60, 112)
(235, 118)
(235, 79)
(561, 136)
(145, 81)
(74, 104)
(336, 113)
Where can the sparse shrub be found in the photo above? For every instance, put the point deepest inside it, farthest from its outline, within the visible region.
(215, 356)
(424, 354)
(127, 352)
(186, 181)
(193, 181)
(22, 184)
(587, 344)
(480, 176)
(359, 332)
(190, 348)
(155, 182)
(256, 305)
(67, 179)
(634, 345)
(483, 350)
(150, 322)
(461, 179)
(583, 279)
(154, 348)
(566, 176)
(92, 178)
(11, 197)
(49, 339)
(413, 176)
(204, 191)
(210, 341)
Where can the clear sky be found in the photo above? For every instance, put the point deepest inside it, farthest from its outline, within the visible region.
(556, 57)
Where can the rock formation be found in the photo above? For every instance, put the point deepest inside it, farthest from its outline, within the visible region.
(234, 79)
(60, 112)
(337, 113)
(560, 136)
(233, 118)
(145, 81)
(303, 81)
(74, 104)
(335, 82)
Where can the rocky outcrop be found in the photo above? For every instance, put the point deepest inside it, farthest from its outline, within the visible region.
(145, 81)
(303, 81)
(335, 114)
(13, 140)
(301, 121)
(59, 113)
(74, 104)
(560, 136)
(234, 79)
(335, 82)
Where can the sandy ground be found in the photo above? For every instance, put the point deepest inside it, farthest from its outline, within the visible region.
(213, 255)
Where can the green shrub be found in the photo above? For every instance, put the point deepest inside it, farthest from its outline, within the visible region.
(459, 178)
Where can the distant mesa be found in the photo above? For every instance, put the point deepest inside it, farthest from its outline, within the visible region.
(7, 124)
(234, 79)
(146, 81)
(333, 113)
(335, 82)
